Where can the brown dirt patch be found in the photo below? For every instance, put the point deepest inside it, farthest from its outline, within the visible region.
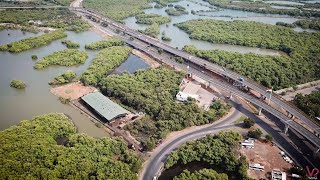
(72, 91)
(149, 60)
(268, 156)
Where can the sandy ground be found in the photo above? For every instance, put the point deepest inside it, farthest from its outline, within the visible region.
(268, 156)
(72, 91)
(100, 32)
(149, 60)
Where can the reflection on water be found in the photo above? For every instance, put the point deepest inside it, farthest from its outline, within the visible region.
(16, 105)
(180, 38)
(131, 65)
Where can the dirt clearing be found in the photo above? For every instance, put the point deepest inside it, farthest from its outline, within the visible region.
(72, 91)
(266, 155)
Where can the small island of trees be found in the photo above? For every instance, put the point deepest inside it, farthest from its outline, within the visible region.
(67, 57)
(70, 44)
(33, 42)
(152, 18)
(64, 78)
(105, 44)
(18, 84)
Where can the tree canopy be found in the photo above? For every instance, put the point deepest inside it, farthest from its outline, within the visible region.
(203, 174)
(153, 92)
(300, 65)
(64, 78)
(33, 42)
(309, 24)
(70, 44)
(118, 9)
(67, 57)
(310, 104)
(17, 84)
(105, 44)
(103, 63)
(152, 18)
(153, 30)
(30, 151)
(217, 150)
(55, 18)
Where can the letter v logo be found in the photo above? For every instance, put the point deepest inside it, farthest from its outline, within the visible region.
(313, 173)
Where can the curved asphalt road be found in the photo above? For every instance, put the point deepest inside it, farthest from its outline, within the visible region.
(159, 157)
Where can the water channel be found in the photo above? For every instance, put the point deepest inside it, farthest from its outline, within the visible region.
(16, 105)
(180, 38)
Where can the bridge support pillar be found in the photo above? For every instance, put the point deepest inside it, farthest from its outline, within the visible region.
(259, 112)
(286, 128)
(316, 152)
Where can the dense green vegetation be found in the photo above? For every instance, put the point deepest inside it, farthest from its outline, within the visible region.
(175, 12)
(248, 123)
(203, 174)
(165, 38)
(163, 3)
(261, 7)
(153, 92)
(55, 18)
(64, 78)
(301, 65)
(310, 104)
(153, 30)
(278, 72)
(18, 84)
(33, 42)
(308, 24)
(219, 151)
(105, 43)
(34, 57)
(286, 24)
(63, 2)
(31, 150)
(152, 18)
(29, 3)
(67, 57)
(117, 9)
(257, 133)
(103, 63)
(70, 44)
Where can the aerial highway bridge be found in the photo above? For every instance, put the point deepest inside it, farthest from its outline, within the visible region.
(286, 112)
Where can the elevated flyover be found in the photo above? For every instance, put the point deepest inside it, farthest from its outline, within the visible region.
(310, 133)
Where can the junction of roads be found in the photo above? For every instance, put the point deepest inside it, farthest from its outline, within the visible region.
(214, 75)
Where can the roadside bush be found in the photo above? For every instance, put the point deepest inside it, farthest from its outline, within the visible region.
(269, 138)
(256, 134)
(248, 123)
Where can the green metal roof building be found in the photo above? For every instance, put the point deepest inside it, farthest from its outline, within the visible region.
(104, 106)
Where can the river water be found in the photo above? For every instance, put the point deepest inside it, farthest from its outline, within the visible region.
(180, 38)
(16, 105)
(131, 65)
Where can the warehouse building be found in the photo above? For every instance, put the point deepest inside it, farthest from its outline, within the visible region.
(104, 107)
